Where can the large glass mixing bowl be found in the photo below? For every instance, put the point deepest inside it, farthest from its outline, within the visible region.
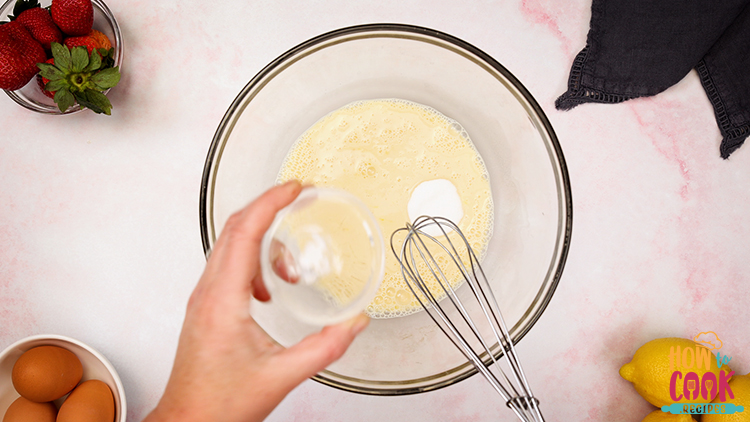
(528, 176)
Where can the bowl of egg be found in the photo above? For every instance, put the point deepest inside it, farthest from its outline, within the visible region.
(411, 121)
(48, 378)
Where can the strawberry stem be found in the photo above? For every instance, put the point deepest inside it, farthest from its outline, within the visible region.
(79, 80)
(78, 76)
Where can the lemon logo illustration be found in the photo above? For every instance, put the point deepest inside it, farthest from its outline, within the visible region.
(653, 364)
(740, 385)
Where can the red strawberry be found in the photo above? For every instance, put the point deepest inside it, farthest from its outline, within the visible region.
(91, 41)
(101, 40)
(19, 54)
(84, 41)
(42, 81)
(73, 17)
(39, 23)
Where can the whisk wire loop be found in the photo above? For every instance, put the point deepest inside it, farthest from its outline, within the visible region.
(415, 251)
(450, 293)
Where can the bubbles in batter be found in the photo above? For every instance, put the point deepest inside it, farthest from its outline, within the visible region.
(381, 151)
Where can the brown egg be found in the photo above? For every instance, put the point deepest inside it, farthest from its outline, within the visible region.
(46, 373)
(92, 401)
(23, 410)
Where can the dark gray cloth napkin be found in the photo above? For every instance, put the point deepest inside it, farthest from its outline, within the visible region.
(642, 47)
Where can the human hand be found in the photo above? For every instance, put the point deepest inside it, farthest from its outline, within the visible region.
(226, 367)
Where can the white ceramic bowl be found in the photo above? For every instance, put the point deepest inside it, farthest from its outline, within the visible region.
(95, 366)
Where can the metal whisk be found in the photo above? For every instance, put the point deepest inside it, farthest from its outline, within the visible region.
(475, 324)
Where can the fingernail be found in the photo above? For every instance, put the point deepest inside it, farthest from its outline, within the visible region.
(359, 323)
(292, 184)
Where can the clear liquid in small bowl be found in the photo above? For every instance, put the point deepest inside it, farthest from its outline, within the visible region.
(324, 256)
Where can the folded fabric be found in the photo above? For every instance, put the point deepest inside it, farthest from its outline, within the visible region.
(642, 47)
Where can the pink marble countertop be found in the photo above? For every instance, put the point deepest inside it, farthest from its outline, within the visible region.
(100, 237)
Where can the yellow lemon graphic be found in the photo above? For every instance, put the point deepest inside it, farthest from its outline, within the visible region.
(740, 385)
(653, 364)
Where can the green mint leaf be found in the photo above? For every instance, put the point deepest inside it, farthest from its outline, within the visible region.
(56, 85)
(106, 78)
(64, 99)
(79, 57)
(96, 101)
(61, 55)
(95, 62)
(50, 72)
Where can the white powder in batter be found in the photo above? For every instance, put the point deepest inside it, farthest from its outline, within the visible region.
(436, 198)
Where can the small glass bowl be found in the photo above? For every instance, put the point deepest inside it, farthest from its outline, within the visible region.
(30, 96)
(323, 258)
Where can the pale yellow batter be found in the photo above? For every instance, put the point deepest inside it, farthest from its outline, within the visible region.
(380, 151)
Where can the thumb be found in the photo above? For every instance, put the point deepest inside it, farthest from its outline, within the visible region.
(316, 351)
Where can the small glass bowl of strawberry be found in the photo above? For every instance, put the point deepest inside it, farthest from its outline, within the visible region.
(47, 24)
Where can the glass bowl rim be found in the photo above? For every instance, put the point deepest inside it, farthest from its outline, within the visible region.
(565, 196)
